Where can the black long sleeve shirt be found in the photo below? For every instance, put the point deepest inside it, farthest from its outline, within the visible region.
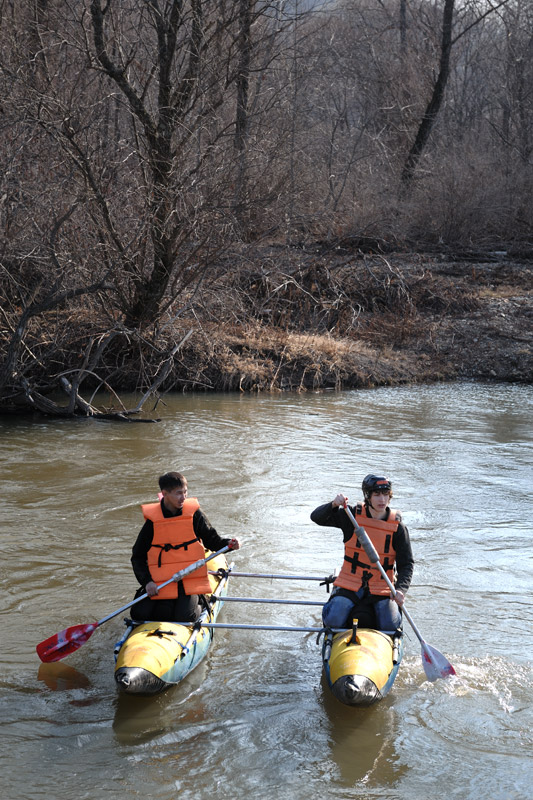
(336, 517)
(139, 553)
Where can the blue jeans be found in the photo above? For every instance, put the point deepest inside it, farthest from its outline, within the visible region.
(339, 611)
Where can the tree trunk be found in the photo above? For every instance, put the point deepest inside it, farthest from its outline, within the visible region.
(241, 116)
(434, 105)
(173, 98)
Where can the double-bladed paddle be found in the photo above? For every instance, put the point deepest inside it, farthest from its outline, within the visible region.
(66, 642)
(435, 664)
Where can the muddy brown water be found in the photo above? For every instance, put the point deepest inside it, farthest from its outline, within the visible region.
(255, 719)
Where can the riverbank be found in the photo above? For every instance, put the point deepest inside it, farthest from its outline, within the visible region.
(285, 319)
(304, 322)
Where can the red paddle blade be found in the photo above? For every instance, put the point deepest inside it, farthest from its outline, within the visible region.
(435, 664)
(65, 642)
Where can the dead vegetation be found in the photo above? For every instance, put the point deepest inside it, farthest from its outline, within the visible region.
(244, 196)
(336, 322)
(289, 321)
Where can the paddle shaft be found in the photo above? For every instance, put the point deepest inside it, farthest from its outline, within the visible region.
(176, 577)
(371, 552)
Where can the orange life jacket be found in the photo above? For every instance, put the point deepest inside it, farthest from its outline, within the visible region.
(175, 546)
(356, 570)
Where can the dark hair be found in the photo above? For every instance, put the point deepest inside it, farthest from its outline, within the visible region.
(170, 480)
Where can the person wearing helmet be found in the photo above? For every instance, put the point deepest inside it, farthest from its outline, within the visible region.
(360, 590)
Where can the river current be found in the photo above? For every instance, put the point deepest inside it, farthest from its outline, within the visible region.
(255, 719)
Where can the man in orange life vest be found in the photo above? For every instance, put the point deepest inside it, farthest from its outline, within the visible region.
(360, 590)
(173, 536)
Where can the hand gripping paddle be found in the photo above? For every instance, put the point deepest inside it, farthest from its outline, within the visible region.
(66, 642)
(435, 664)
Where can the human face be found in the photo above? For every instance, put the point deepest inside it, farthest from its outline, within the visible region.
(379, 501)
(175, 498)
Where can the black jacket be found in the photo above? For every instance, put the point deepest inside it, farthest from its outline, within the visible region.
(139, 553)
(337, 518)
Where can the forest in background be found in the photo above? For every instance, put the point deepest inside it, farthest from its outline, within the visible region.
(243, 195)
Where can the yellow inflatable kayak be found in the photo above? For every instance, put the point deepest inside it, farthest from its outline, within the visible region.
(360, 666)
(152, 656)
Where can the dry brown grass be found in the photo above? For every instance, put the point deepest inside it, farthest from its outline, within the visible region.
(300, 323)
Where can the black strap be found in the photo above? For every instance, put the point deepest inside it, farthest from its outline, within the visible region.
(387, 566)
(207, 602)
(166, 547)
(356, 562)
(328, 581)
(365, 579)
(367, 574)
(221, 572)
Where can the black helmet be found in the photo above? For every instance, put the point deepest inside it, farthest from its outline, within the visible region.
(375, 483)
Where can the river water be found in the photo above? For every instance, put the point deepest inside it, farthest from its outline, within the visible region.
(255, 719)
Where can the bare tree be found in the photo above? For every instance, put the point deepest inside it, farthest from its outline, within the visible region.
(243, 85)
(136, 120)
(169, 98)
(436, 100)
(434, 105)
(148, 146)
